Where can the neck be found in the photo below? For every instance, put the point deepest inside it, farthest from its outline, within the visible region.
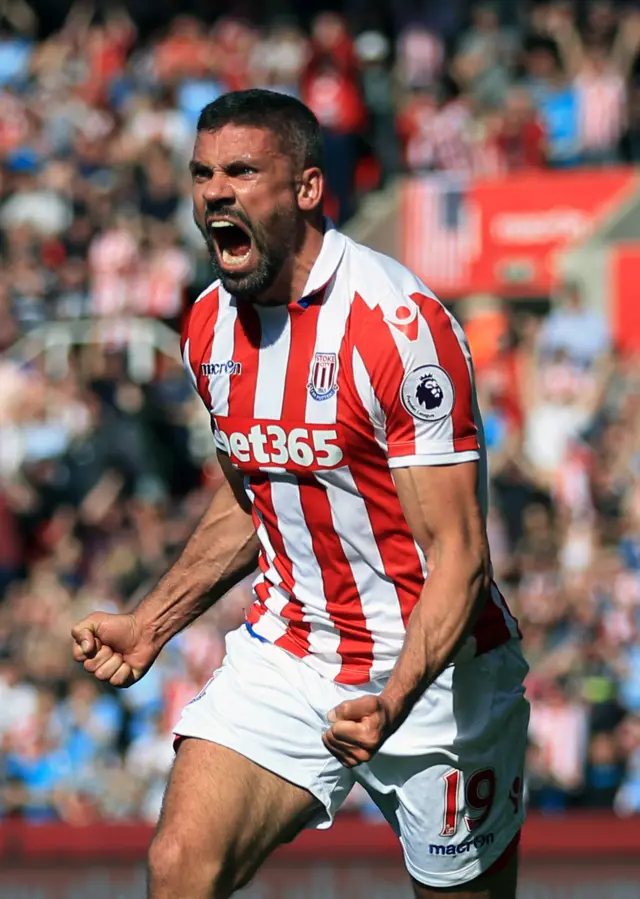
(291, 282)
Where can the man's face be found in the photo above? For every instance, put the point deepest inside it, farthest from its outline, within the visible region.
(245, 205)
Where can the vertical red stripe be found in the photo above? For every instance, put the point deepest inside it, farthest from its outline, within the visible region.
(242, 393)
(370, 470)
(304, 328)
(385, 368)
(199, 329)
(452, 358)
(282, 566)
(296, 639)
(261, 487)
(304, 325)
(246, 347)
(344, 605)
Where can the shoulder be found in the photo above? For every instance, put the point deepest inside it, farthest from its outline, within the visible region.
(388, 296)
(210, 295)
(203, 314)
(381, 283)
(207, 305)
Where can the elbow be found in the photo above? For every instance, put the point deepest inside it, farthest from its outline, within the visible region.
(482, 580)
(478, 573)
(478, 582)
(481, 562)
(470, 560)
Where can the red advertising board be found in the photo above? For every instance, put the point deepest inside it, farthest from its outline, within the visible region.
(624, 280)
(503, 236)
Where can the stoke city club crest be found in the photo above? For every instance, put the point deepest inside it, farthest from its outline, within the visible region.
(323, 379)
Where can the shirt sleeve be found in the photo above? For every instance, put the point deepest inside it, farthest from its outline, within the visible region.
(418, 385)
(190, 354)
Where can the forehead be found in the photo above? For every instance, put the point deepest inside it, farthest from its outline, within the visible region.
(233, 142)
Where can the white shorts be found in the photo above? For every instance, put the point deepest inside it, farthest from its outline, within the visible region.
(449, 781)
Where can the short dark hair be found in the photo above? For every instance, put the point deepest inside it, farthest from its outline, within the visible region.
(290, 120)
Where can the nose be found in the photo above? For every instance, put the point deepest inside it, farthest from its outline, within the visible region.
(217, 188)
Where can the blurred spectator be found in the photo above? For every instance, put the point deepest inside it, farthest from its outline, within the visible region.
(556, 100)
(580, 334)
(330, 87)
(485, 56)
(627, 801)
(521, 137)
(602, 102)
(378, 86)
(421, 56)
(558, 730)
(280, 58)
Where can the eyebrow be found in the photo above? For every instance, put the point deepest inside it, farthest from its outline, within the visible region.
(195, 167)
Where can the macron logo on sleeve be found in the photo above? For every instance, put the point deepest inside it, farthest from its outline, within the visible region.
(209, 369)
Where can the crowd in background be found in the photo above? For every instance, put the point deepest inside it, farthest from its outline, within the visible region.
(103, 477)
(97, 122)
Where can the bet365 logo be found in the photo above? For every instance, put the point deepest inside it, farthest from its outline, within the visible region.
(256, 445)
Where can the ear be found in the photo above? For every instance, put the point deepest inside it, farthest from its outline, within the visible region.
(310, 189)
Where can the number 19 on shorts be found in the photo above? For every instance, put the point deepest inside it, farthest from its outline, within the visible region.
(478, 794)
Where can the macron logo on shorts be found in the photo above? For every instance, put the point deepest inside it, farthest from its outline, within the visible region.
(477, 842)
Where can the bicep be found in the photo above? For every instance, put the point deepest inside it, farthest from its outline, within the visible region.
(441, 506)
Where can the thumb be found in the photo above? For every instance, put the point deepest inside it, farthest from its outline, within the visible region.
(353, 709)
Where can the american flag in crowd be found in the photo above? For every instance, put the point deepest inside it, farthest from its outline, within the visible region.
(441, 233)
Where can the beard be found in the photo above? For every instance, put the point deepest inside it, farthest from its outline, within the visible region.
(275, 244)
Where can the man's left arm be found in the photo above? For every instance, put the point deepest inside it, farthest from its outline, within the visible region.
(421, 378)
(442, 510)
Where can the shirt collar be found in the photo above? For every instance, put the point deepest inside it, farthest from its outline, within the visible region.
(328, 260)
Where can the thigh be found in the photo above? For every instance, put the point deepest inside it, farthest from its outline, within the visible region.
(269, 707)
(222, 808)
(453, 780)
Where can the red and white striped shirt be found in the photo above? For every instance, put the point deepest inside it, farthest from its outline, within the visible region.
(603, 108)
(315, 403)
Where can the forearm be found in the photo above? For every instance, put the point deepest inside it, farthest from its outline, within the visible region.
(451, 599)
(222, 550)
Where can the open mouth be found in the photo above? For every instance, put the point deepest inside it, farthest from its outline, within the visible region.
(233, 242)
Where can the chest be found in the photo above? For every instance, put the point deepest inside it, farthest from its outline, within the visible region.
(281, 392)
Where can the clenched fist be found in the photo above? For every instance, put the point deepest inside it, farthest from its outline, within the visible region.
(113, 648)
(358, 729)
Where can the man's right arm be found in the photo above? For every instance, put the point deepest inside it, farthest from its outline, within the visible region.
(221, 552)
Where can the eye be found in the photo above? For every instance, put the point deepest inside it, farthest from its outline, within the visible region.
(200, 173)
(242, 171)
